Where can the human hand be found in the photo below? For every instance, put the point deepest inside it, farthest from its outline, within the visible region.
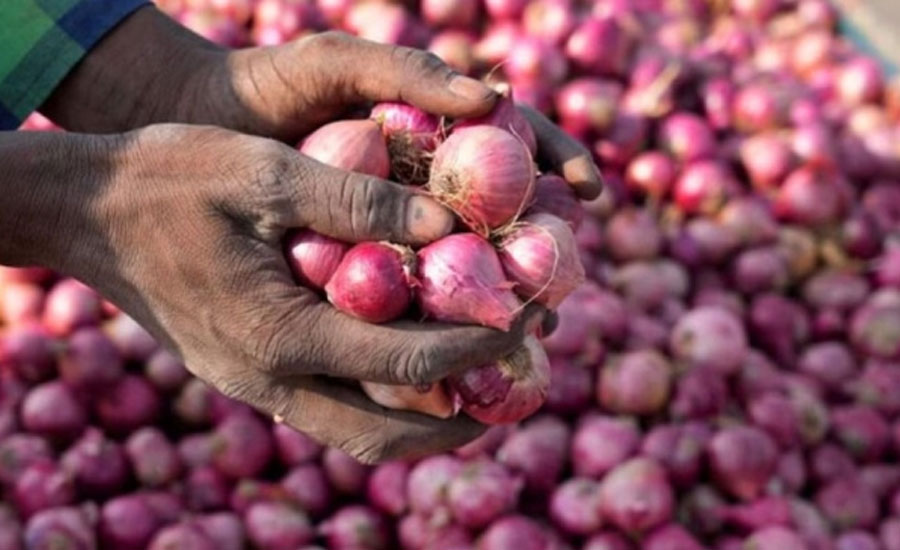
(282, 92)
(182, 227)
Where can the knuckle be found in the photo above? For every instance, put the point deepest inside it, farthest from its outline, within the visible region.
(420, 365)
(371, 448)
(330, 42)
(377, 210)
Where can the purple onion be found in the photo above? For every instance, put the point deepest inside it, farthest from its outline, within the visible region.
(52, 410)
(356, 527)
(537, 451)
(387, 487)
(829, 362)
(98, 464)
(632, 234)
(861, 430)
(428, 483)
(206, 489)
(574, 506)
(29, 351)
(165, 371)
(277, 526)
(607, 540)
(182, 535)
(679, 448)
(772, 538)
(710, 338)
(830, 462)
(601, 443)
(129, 404)
(875, 330)
(18, 452)
(848, 504)
(127, 522)
(346, 474)
(307, 486)
(699, 393)
(133, 342)
(154, 459)
(224, 529)
(742, 460)
(42, 485)
(68, 528)
(571, 386)
(671, 537)
(481, 492)
(294, 447)
(243, 446)
(635, 496)
(637, 383)
(513, 531)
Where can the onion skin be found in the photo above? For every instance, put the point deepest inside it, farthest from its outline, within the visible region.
(462, 281)
(434, 401)
(539, 254)
(506, 116)
(636, 496)
(574, 506)
(314, 258)
(485, 175)
(602, 443)
(481, 492)
(537, 452)
(743, 459)
(636, 383)
(372, 282)
(710, 337)
(521, 380)
(354, 145)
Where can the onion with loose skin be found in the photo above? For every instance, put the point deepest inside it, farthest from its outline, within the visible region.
(354, 145)
(507, 116)
(508, 390)
(539, 254)
(314, 258)
(462, 281)
(373, 282)
(412, 134)
(554, 195)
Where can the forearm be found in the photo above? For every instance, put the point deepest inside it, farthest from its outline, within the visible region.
(148, 69)
(46, 182)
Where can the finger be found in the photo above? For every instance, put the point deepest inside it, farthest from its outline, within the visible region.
(378, 72)
(313, 338)
(342, 416)
(356, 207)
(565, 155)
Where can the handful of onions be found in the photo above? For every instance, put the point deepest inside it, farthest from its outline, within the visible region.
(519, 247)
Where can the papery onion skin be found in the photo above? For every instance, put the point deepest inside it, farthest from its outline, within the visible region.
(372, 282)
(525, 376)
(354, 145)
(485, 175)
(554, 195)
(540, 255)
(314, 257)
(412, 134)
(505, 115)
(462, 281)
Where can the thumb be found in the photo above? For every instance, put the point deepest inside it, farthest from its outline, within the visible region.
(355, 207)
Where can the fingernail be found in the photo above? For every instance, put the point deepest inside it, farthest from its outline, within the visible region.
(470, 88)
(427, 220)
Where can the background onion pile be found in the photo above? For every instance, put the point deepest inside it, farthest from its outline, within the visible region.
(727, 378)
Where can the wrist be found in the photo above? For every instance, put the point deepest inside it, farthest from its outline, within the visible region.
(47, 184)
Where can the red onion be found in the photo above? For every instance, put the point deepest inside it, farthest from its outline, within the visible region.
(67, 527)
(505, 115)
(571, 386)
(508, 390)
(778, 325)
(890, 534)
(307, 486)
(857, 540)
(861, 430)
(277, 526)
(182, 535)
(249, 491)
(767, 159)
(587, 105)
(574, 506)
(52, 410)
(21, 303)
(498, 38)
(127, 522)
(756, 108)
(874, 330)
(670, 537)
(131, 403)
(532, 60)
(429, 481)
(433, 401)
(28, 350)
(791, 472)
(244, 446)
(485, 174)
(830, 462)
(703, 187)
(599, 46)
(860, 81)
(206, 489)
(455, 48)
(636, 496)
(387, 487)
(98, 465)
(770, 538)
(449, 13)
(848, 504)
(633, 234)
(539, 254)
(651, 174)
(354, 145)
(481, 492)
(485, 444)
(91, 361)
(42, 485)
(829, 362)
(710, 337)
(750, 219)
(154, 459)
(687, 137)
(537, 452)
(742, 459)
(416, 532)
(462, 281)
(345, 473)
(638, 383)
(314, 258)
(18, 451)
(624, 139)
(516, 532)
(759, 270)
(553, 195)
(373, 282)
(70, 305)
(602, 443)
(607, 540)
(679, 448)
(809, 197)
(166, 371)
(550, 20)
(396, 25)
(354, 527)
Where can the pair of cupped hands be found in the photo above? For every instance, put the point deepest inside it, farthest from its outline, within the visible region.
(181, 224)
